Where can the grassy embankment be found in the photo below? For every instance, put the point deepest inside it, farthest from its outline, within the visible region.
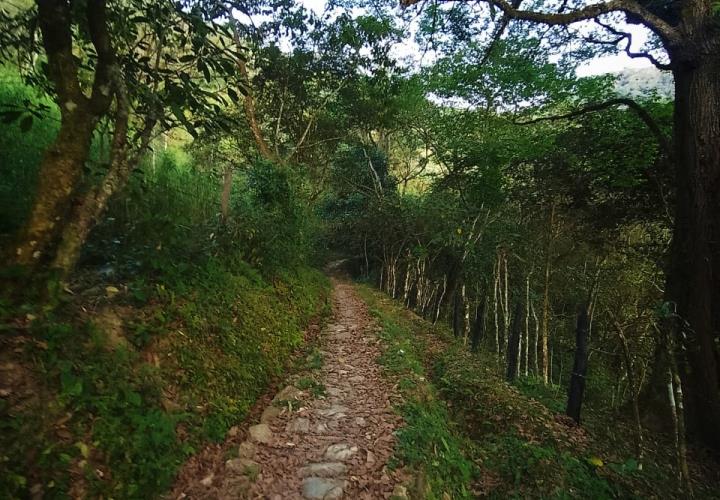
(469, 433)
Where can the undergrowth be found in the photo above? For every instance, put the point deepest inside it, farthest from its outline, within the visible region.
(125, 395)
(470, 433)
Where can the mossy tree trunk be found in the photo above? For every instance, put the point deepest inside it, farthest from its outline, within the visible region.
(62, 165)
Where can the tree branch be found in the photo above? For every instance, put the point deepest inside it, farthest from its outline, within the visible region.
(56, 28)
(101, 96)
(497, 34)
(312, 118)
(634, 55)
(249, 100)
(664, 30)
(641, 112)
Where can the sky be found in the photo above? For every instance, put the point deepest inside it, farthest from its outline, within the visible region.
(600, 65)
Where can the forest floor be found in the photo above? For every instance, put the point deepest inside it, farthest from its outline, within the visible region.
(388, 405)
(328, 434)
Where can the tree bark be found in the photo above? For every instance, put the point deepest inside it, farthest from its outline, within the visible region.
(535, 339)
(577, 380)
(496, 293)
(440, 300)
(693, 286)
(59, 174)
(506, 301)
(466, 315)
(62, 164)
(527, 325)
(226, 191)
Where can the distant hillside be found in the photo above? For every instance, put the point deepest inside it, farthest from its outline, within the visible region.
(644, 81)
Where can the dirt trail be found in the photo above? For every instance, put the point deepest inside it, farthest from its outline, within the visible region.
(335, 445)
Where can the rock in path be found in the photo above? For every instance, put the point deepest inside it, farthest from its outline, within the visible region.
(246, 450)
(299, 425)
(318, 488)
(261, 433)
(243, 466)
(269, 414)
(335, 411)
(340, 452)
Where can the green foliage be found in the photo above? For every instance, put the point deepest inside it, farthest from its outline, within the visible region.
(531, 470)
(20, 150)
(314, 360)
(274, 227)
(315, 388)
(198, 305)
(552, 396)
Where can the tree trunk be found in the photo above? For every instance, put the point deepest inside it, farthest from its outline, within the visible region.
(85, 216)
(62, 165)
(466, 315)
(440, 300)
(60, 172)
(417, 301)
(457, 317)
(527, 325)
(545, 334)
(634, 390)
(506, 308)
(513, 347)
(675, 396)
(496, 293)
(535, 339)
(577, 380)
(226, 191)
(406, 285)
(694, 275)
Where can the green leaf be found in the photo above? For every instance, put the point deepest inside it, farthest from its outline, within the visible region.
(631, 465)
(71, 385)
(134, 398)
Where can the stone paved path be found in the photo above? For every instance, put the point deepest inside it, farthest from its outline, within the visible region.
(335, 445)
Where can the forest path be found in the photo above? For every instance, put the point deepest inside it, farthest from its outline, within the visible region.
(333, 444)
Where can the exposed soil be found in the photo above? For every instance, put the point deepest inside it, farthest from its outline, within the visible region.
(331, 440)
